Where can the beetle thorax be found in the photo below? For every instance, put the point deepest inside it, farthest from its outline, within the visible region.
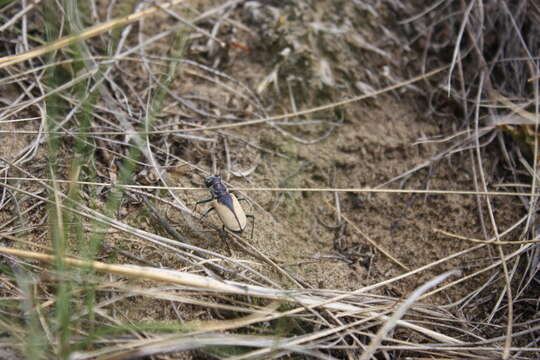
(218, 190)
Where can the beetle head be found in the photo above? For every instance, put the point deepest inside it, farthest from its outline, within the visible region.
(217, 188)
(212, 180)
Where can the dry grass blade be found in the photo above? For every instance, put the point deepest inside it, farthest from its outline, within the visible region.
(292, 189)
(196, 281)
(398, 314)
(158, 346)
(185, 279)
(267, 119)
(83, 35)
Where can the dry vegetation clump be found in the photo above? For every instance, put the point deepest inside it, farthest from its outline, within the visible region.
(364, 246)
(491, 98)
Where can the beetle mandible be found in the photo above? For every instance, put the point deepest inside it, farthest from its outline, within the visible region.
(227, 206)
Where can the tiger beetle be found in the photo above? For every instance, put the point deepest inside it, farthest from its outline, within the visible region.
(227, 206)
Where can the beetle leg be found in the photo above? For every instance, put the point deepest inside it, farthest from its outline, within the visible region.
(201, 202)
(252, 223)
(204, 201)
(207, 212)
(244, 199)
(249, 215)
(225, 235)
